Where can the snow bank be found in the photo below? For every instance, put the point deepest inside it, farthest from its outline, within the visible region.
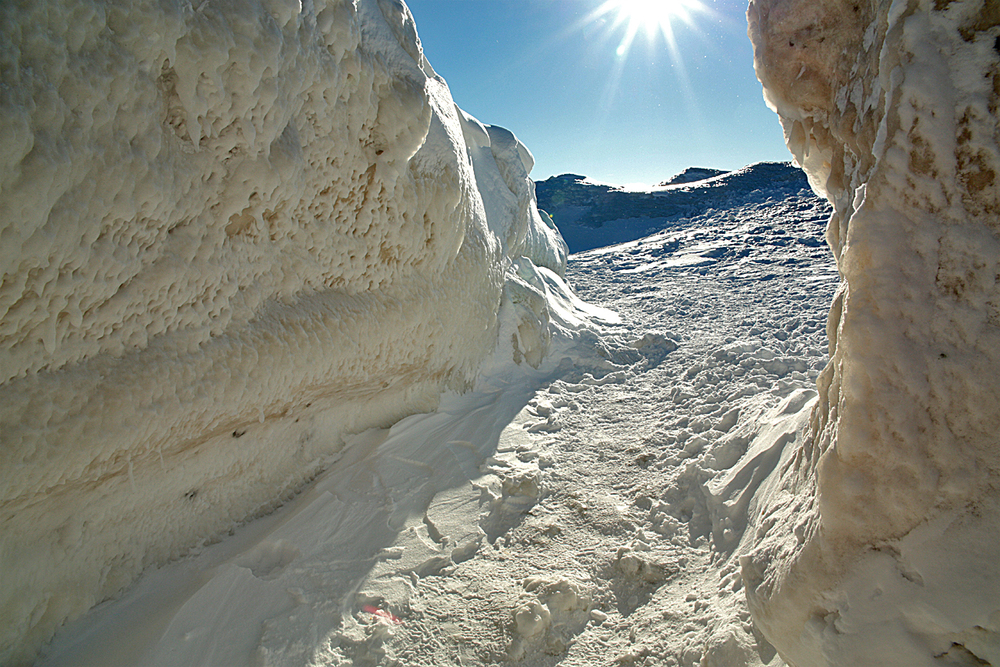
(229, 236)
(878, 543)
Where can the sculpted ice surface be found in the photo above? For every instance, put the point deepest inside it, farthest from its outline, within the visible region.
(891, 108)
(230, 234)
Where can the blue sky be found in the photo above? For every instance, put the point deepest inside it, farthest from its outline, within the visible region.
(560, 78)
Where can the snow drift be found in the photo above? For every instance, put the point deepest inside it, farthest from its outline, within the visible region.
(878, 544)
(229, 236)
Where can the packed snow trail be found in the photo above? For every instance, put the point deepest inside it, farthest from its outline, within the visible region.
(581, 513)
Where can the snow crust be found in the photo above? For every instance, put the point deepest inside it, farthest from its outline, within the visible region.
(878, 543)
(231, 235)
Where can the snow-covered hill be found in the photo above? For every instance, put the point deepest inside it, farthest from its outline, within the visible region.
(691, 175)
(586, 512)
(591, 214)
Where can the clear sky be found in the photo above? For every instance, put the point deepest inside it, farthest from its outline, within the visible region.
(565, 77)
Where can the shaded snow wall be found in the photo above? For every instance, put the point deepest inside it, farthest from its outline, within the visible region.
(229, 235)
(879, 544)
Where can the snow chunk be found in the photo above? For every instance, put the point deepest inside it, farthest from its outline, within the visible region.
(558, 609)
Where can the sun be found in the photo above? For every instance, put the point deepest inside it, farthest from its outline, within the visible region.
(653, 14)
(652, 17)
(623, 21)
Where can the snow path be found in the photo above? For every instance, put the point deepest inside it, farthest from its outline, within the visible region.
(581, 514)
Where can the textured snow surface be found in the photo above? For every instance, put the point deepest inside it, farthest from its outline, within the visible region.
(892, 109)
(589, 511)
(230, 234)
(240, 243)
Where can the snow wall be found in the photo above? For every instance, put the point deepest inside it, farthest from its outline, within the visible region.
(877, 544)
(230, 234)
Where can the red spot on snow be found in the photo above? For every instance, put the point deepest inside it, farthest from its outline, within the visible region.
(382, 614)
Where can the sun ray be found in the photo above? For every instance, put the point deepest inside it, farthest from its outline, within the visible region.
(652, 17)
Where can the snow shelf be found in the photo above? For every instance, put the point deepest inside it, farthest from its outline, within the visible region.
(232, 234)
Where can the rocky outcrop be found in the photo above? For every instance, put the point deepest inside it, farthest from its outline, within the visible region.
(230, 234)
(878, 545)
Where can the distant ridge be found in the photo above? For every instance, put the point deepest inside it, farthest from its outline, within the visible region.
(572, 199)
(579, 206)
(692, 174)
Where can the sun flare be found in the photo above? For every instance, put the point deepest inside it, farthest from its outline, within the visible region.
(652, 17)
(657, 23)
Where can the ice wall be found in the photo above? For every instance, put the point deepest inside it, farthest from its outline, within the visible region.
(230, 233)
(878, 545)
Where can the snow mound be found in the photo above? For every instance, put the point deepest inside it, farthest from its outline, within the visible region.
(231, 235)
(554, 611)
(877, 545)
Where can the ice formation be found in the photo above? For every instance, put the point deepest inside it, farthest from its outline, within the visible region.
(230, 234)
(878, 544)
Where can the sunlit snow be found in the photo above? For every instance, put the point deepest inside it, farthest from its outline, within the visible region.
(592, 506)
(301, 368)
